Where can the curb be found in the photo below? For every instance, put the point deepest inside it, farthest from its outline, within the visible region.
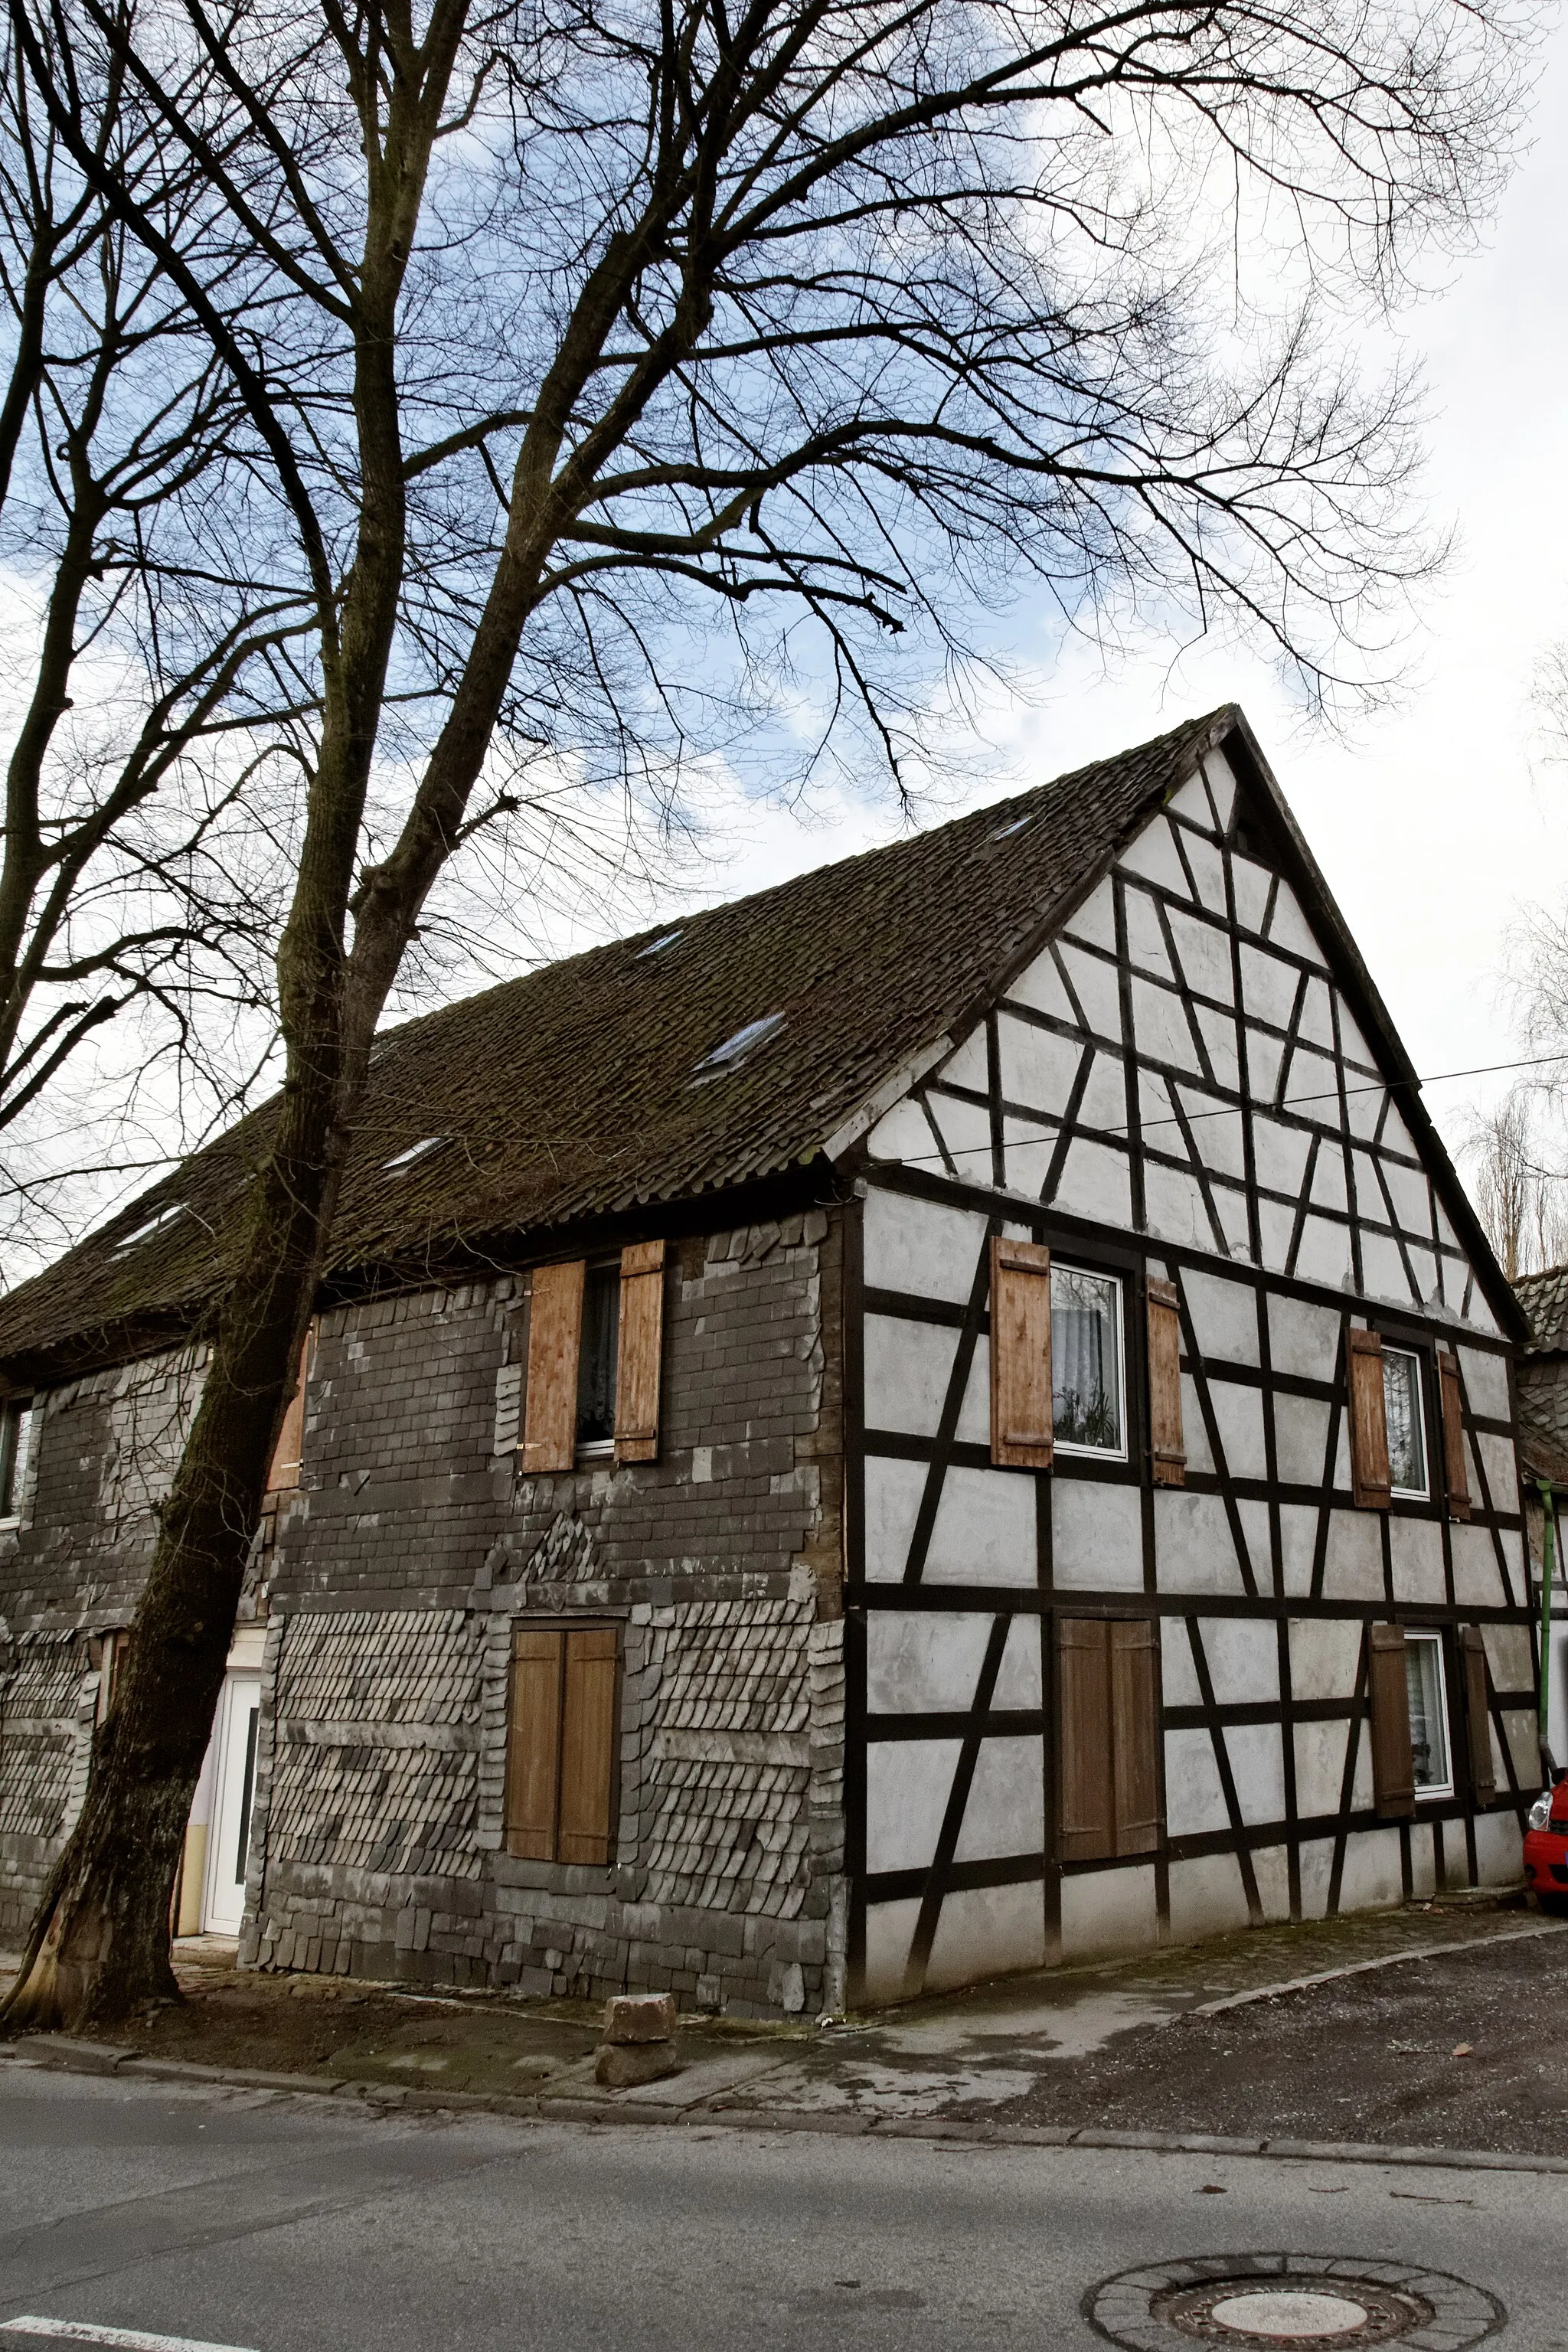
(77, 2057)
(1365, 1968)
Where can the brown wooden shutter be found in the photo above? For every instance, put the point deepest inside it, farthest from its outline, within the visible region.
(1084, 1707)
(1369, 1423)
(639, 1352)
(1393, 1764)
(533, 1743)
(1478, 1715)
(1134, 1722)
(289, 1449)
(1165, 1386)
(1021, 1355)
(1456, 1472)
(554, 1334)
(588, 1745)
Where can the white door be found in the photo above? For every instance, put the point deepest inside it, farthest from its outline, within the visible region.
(229, 1841)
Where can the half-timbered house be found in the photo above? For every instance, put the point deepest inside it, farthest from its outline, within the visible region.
(950, 1414)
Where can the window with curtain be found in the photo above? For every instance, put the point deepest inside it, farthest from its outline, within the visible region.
(1402, 1413)
(1428, 1713)
(1086, 1401)
(596, 1356)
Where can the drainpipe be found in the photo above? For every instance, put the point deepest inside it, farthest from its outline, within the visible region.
(1548, 1570)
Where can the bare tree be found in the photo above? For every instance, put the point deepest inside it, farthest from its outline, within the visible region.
(632, 381)
(1522, 1198)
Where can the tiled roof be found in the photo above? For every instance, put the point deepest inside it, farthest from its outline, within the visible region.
(1543, 1437)
(1544, 1298)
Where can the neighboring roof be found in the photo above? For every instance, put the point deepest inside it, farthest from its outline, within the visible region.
(1544, 1298)
(574, 1093)
(1542, 1438)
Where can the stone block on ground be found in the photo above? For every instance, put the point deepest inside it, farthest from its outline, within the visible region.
(622, 2065)
(631, 2017)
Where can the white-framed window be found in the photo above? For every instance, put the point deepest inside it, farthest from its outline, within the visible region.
(1429, 1692)
(1402, 1408)
(1088, 1387)
(17, 1420)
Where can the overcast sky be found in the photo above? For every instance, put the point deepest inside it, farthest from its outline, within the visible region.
(1436, 820)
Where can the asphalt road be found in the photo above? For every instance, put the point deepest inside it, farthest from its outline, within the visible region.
(292, 2225)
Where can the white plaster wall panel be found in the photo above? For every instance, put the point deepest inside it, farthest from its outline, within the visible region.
(1194, 1794)
(1415, 1550)
(1095, 1182)
(916, 1246)
(1485, 1376)
(986, 1931)
(1202, 951)
(984, 1531)
(1408, 1189)
(1300, 1439)
(1027, 1149)
(1320, 1767)
(1297, 1546)
(1325, 1656)
(1271, 1876)
(964, 1129)
(1173, 1207)
(902, 1134)
(1280, 1155)
(1194, 1430)
(1105, 1094)
(1353, 1042)
(1193, 802)
(908, 1367)
(1251, 885)
(1422, 1862)
(1224, 1317)
(1275, 1231)
(1095, 920)
(1374, 1879)
(1021, 1681)
(889, 1932)
(1179, 1684)
(1038, 1067)
(1424, 1267)
(1254, 1517)
(1312, 1087)
(1238, 1423)
(1264, 1055)
(968, 1065)
(1109, 1911)
(1207, 1898)
(893, 1491)
(1152, 854)
(1479, 1314)
(1209, 872)
(917, 1662)
(1522, 1727)
(1243, 1656)
(1258, 1768)
(1097, 1540)
(1217, 1134)
(1383, 1270)
(1220, 778)
(1161, 1028)
(1498, 1857)
(908, 1782)
(1289, 926)
(1324, 1256)
(1317, 1869)
(1146, 939)
(1316, 1025)
(1192, 1545)
(1218, 1030)
(1510, 1656)
(1363, 1109)
(1268, 986)
(1352, 1570)
(1231, 1208)
(1039, 985)
(1006, 1813)
(1094, 985)
(1329, 1180)
(1500, 1468)
(1476, 1582)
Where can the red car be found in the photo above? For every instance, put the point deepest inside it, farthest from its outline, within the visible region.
(1546, 1849)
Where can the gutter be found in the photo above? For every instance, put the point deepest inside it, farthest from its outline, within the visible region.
(1548, 1572)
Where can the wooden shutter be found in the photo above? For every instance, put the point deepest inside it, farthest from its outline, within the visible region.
(533, 1743)
(1165, 1386)
(1393, 1764)
(1134, 1729)
(291, 1446)
(1456, 1474)
(1369, 1423)
(588, 1745)
(639, 1352)
(1020, 1355)
(554, 1334)
(1084, 1712)
(1478, 1715)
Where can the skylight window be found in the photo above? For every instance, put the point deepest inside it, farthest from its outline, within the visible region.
(735, 1049)
(153, 1225)
(657, 947)
(1004, 832)
(414, 1151)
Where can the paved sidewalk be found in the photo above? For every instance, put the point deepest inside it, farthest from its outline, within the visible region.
(1437, 2025)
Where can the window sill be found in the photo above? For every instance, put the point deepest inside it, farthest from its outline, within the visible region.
(602, 1449)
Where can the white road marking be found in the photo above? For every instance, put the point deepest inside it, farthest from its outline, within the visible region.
(130, 2339)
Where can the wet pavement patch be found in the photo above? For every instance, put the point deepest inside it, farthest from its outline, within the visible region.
(1254, 2301)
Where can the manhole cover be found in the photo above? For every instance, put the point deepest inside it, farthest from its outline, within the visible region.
(1254, 2301)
